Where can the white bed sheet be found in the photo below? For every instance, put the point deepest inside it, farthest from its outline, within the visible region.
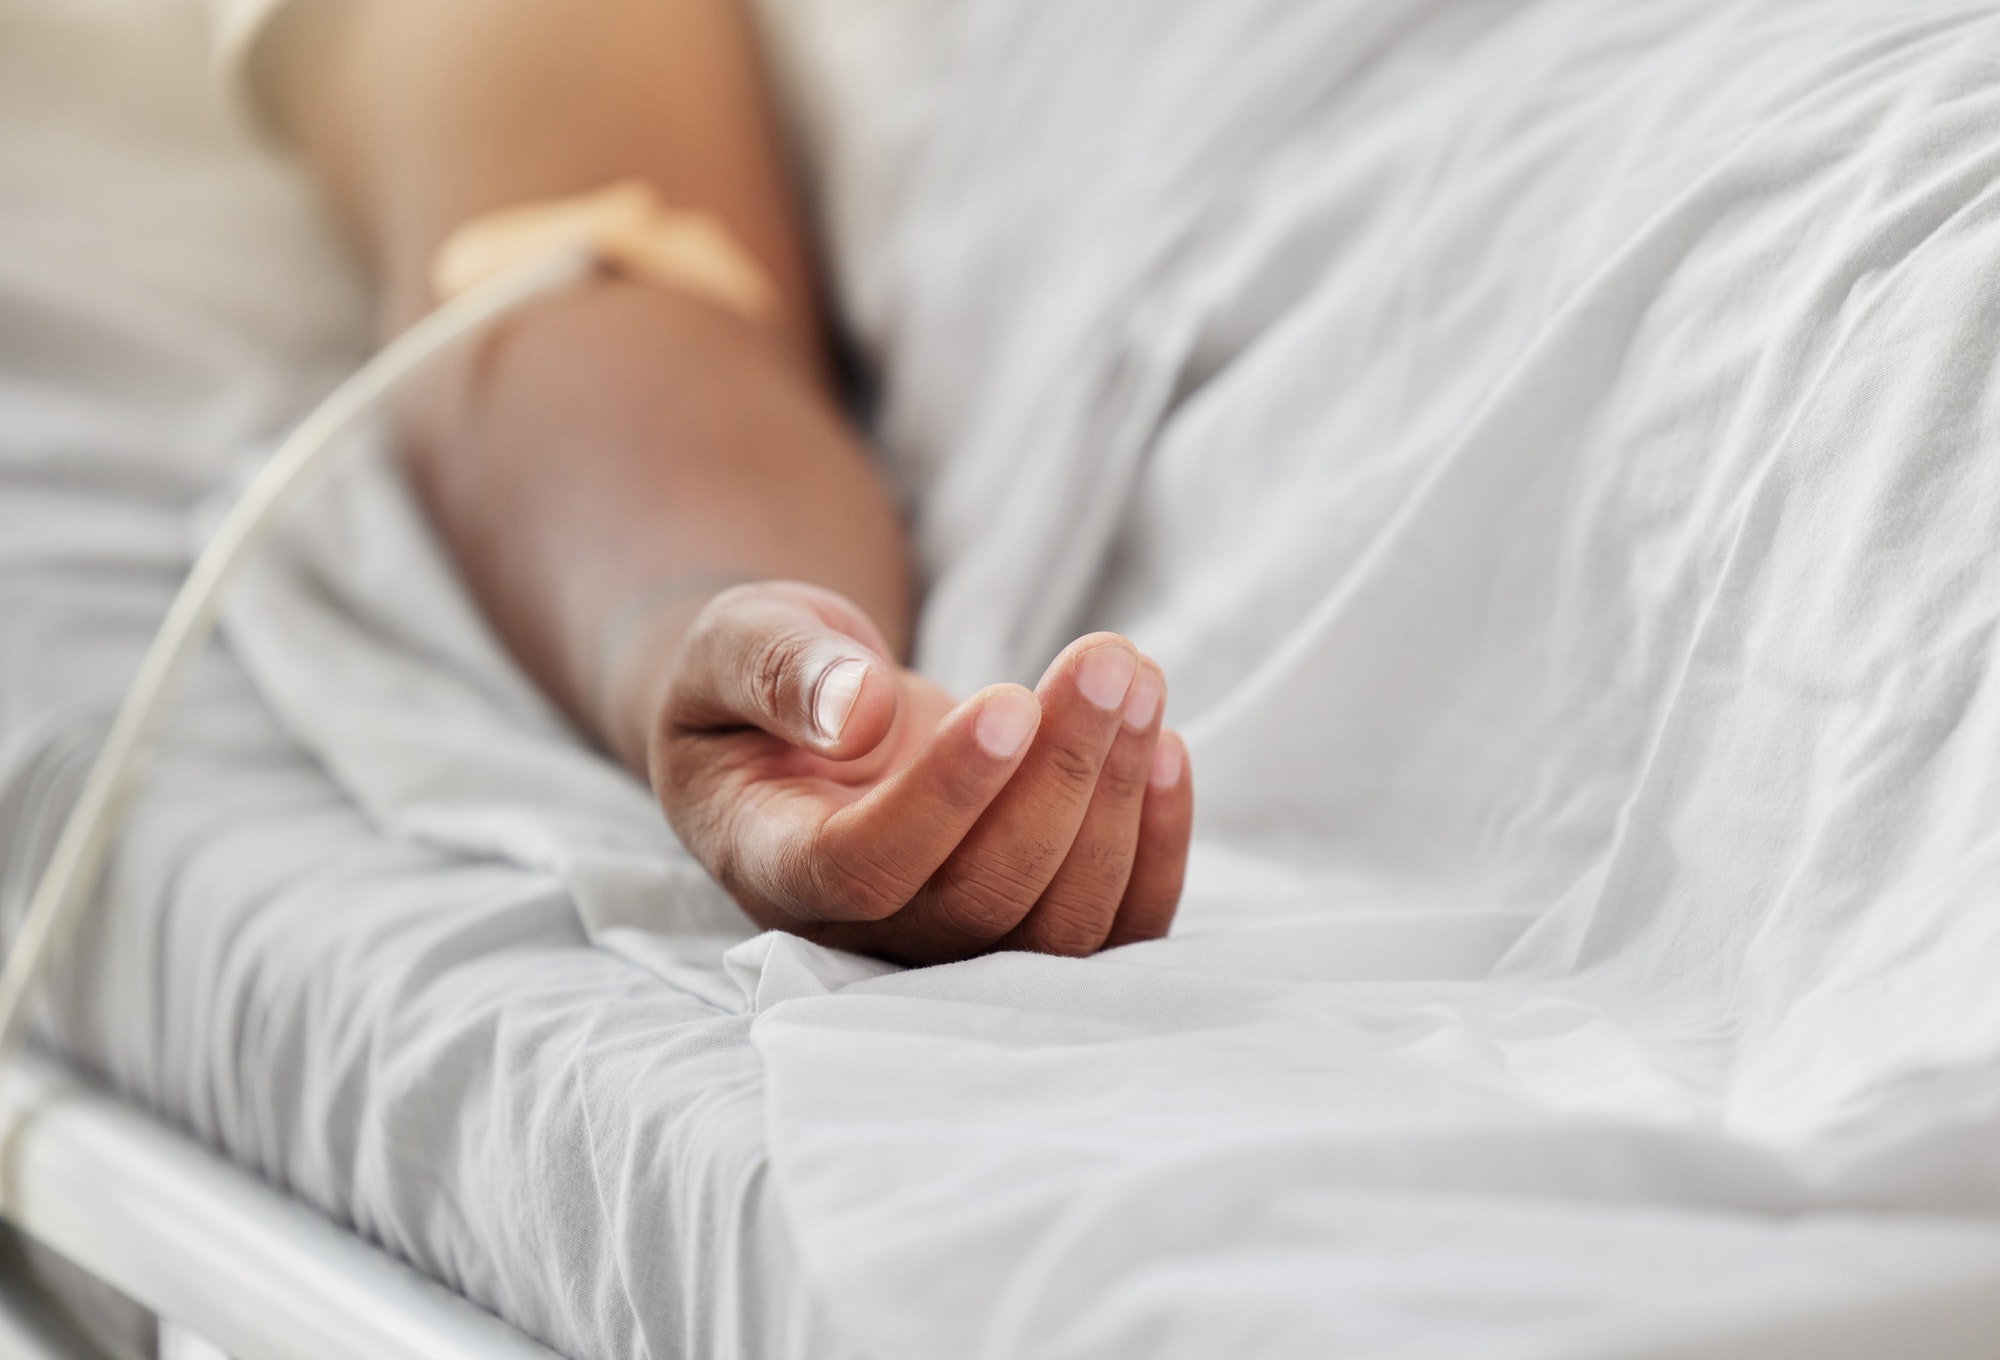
(1549, 446)
(424, 1047)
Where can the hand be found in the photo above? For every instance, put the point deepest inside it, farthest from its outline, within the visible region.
(847, 799)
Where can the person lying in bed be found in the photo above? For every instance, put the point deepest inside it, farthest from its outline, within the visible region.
(665, 515)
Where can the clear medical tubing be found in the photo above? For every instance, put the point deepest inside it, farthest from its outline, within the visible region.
(64, 891)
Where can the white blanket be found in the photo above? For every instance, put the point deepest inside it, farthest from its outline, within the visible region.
(1550, 447)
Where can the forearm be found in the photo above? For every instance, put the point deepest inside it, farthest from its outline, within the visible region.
(629, 448)
(626, 436)
(614, 457)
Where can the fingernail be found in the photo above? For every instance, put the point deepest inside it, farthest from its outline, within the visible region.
(1144, 700)
(839, 687)
(1106, 675)
(1168, 760)
(1006, 723)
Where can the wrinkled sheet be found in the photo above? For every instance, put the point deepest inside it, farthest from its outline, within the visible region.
(424, 1046)
(421, 1043)
(1547, 444)
(1550, 448)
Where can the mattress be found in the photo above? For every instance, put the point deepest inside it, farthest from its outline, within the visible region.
(424, 1048)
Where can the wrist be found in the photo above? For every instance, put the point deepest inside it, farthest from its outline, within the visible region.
(635, 654)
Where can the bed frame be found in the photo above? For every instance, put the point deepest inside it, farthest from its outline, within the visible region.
(232, 1267)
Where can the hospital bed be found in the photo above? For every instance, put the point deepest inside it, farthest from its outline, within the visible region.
(419, 1056)
(225, 1264)
(228, 1266)
(1654, 341)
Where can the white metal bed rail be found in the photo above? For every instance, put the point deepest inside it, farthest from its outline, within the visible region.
(208, 1246)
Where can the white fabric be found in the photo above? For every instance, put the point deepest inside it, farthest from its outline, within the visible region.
(1549, 446)
(420, 1044)
(171, 300)
(234, 27)
(170, 297)
(364, 642)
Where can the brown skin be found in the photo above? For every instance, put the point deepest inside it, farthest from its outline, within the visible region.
(605, 464)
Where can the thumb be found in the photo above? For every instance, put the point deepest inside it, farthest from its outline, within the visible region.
(796, 661)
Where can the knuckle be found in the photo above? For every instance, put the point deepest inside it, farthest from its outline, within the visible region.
(1074, 767)
(985, 902)
(1123, 781)
(851, 890)
(1072, 932)
(1077, 911)
(961, 791)
(723, 644)
(774, 672)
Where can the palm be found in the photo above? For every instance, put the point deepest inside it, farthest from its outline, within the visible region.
(757, 762)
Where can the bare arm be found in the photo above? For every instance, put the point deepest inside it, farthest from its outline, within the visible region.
(608, 462)
(615, 442)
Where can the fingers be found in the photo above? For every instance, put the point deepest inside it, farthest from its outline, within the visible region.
(1084, 847)
(1054, 821)
(868, 860)
(1076, 910)
(1012, 853)
(801, 663)
(1159, 862)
